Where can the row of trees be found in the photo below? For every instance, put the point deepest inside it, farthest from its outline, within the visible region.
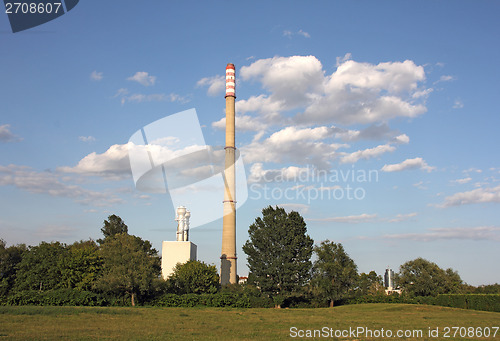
(279, 258)
(279, 253)
(118, 264)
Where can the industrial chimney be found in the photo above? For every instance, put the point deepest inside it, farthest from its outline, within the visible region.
(182, 219)
(228, 255)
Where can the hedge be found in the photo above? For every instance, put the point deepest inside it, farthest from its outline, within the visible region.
(71, 297)
(208, 300)
(57, 297)
(486, 302)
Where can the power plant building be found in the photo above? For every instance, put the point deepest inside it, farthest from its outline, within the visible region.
(181, 250)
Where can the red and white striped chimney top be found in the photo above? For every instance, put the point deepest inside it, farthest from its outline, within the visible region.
(230, 80)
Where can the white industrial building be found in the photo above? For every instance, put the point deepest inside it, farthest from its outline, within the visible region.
(181, 250)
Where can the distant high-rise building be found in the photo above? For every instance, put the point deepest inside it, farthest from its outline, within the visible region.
(389, 278)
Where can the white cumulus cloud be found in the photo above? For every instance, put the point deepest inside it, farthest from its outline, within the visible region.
(216, 85)
(476, 196)
(401, 139)
(114, 162)
(242, 123)
(27, 179)
(367, 153)
(292, 173)
(367, 93)
(143, 78)
(304, 34)
(6, 135)
(290, 34)
(462, 181)
(416, 163)
(291, 80)
(281, 146)
(96, 76)
(86, 138)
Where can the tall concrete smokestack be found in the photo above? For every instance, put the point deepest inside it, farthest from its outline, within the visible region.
(228, 255)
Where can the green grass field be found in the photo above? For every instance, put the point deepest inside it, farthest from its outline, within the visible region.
(151, 323)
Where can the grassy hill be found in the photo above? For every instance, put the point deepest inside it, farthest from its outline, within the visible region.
(150, 323)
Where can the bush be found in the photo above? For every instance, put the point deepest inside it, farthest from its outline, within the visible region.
(260, 302)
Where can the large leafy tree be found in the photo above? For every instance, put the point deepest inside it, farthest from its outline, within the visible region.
(9, 258)
(279, 252)
(194, 277)
(82, 265)
(41, 267)
(370, 284)
(421, 277)
(54, 265)
(112, 226)
(130, 265)
(334, 272)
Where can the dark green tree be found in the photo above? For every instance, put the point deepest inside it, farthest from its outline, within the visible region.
(9, 258)
(370, 284)
(82, 265)
(334, 272)
(41, 267)
(194, 277)
(130, 266)
(279, 252)
(486, 289)
(420, 277)
(114, 225)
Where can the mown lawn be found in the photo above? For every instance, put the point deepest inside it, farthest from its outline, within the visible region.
(151, 323)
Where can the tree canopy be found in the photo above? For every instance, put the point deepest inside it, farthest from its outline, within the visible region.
(279, 252)
(112, 226)
(42, 267)
(129, 265)
(82, 265)
(421, 277)
(194, 277)
(369, 284)
(9, 258)
(334, 272)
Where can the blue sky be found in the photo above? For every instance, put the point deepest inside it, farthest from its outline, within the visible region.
(404, 90)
